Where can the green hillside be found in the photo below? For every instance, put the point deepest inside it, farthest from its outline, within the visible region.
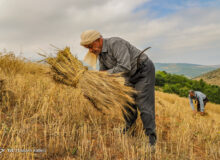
(180, 85)
(212, 77)
(188, 70)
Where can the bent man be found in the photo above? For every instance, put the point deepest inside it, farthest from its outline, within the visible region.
(201, 100)
(118, 55)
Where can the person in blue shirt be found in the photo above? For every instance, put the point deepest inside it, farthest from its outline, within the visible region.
(201, 100)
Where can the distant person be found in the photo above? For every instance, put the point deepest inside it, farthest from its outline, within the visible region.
(201, 100)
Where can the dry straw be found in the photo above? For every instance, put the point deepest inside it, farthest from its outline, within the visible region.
(103, 90)
(7, 97)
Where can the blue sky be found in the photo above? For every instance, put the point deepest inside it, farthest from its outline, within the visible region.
(161, 8)
(179, 31)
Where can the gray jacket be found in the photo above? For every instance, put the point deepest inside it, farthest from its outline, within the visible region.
(118, 55)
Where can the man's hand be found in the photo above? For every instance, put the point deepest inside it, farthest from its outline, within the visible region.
(202, 113)
(103, 71)
(194, 112)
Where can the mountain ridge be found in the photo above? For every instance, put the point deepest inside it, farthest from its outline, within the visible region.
(186, 69)
(212, 77)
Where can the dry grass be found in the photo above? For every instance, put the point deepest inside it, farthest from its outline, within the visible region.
(11, 66)
(50, 116)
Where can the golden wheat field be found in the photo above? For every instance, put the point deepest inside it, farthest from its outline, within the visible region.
(41, 119)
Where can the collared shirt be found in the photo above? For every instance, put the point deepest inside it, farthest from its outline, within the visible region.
(118, 55)
(199, 96)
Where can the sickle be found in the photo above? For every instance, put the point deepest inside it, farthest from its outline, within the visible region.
(138, 59)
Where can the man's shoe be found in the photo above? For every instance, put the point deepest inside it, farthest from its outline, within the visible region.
(152, 140)
(152, 149)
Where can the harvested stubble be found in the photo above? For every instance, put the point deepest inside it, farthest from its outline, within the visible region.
(105, 91)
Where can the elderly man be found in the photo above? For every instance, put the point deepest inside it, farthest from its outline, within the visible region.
(118, 55)
(201, 100)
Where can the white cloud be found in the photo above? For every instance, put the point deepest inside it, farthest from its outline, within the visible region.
(30, 25)
(194, 39)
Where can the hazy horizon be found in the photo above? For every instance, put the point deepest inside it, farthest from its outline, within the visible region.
(178, 31)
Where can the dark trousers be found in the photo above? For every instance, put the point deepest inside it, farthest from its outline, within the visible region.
(198, 104)
(144, 81)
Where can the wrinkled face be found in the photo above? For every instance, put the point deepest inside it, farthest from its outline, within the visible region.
(96, 46)
(191, 94)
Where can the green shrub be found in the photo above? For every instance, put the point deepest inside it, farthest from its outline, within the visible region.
(178, 84)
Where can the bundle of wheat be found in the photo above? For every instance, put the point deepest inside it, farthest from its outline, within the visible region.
(103, 90)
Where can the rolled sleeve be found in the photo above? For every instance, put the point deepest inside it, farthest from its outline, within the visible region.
(121, 53)
(111, 71)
